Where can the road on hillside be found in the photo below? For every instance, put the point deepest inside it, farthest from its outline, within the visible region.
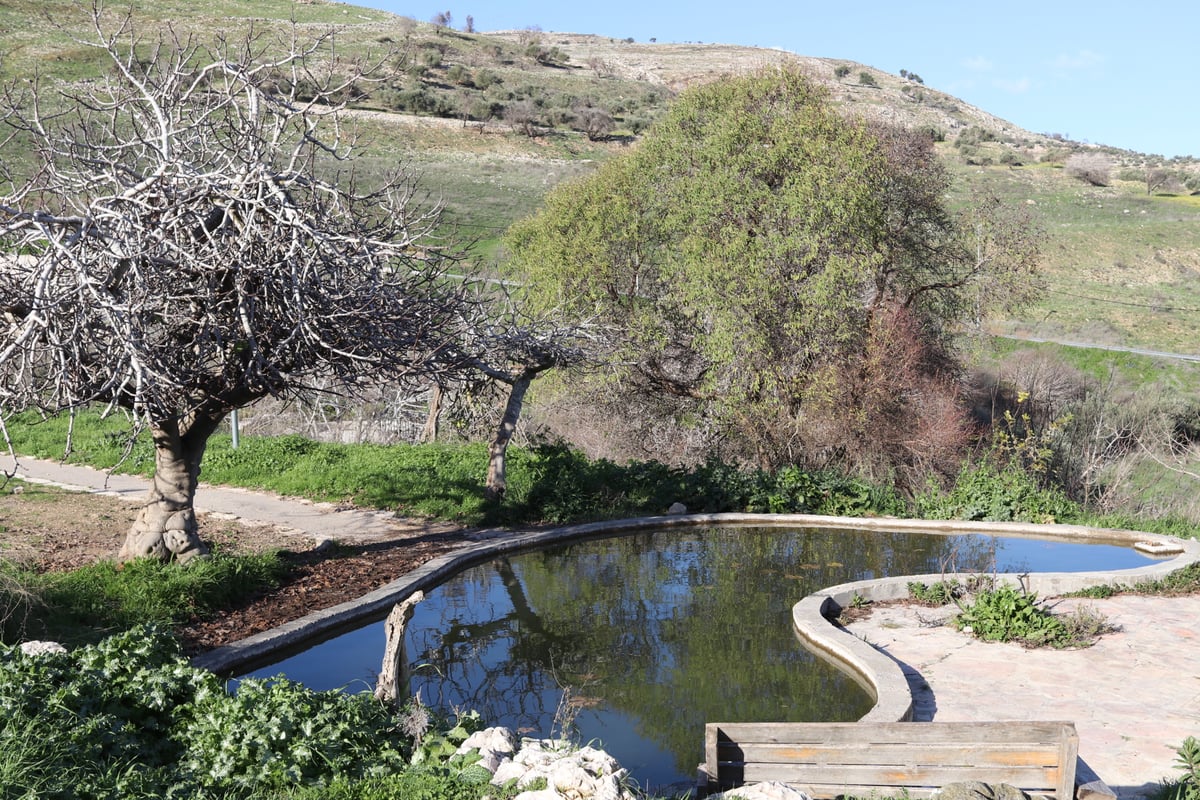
(1094, 346)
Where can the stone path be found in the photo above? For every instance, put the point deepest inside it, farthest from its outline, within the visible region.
(1134, 696)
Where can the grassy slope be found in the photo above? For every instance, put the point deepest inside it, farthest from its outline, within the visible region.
(1123, 267)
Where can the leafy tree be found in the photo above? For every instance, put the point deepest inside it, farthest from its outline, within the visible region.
(786, 276)
(190, 243)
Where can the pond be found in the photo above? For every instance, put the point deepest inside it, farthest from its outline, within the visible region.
(635, 642)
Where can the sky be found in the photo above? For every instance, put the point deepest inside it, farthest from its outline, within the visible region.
(1122, 74)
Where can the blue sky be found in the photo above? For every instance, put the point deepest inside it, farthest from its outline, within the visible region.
(1117, 73)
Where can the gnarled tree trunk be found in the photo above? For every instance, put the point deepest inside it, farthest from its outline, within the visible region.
(166, 526)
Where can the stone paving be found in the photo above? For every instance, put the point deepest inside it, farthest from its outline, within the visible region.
(1134, 696)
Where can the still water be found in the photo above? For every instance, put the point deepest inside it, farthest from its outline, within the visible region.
(636, 642)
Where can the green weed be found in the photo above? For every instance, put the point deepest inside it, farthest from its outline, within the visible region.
(1006, 614)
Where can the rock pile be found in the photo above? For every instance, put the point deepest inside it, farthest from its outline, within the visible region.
(564, 772)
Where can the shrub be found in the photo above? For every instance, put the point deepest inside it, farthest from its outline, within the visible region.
(1092, 168)
(866, 79)
(1186, 787)
(983, 491)
(841, 71)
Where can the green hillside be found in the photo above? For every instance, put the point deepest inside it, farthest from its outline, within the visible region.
(1123, 264)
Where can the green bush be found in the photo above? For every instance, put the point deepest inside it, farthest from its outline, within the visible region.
(983, 491)
(1186, 787)
(1006, 614)
(130, 718)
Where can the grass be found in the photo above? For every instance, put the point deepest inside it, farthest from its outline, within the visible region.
(88, 603)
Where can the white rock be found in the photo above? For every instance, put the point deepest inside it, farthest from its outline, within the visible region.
(568, 774)
(508, 770)
(496, 740)
(540, 794)
(770, 790)
(677, 508)
(41, 648)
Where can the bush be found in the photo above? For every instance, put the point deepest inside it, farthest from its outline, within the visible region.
(866, 79)
(985, 492)
(1186, 787)
(1092, 168)
(1005, 614)
(841, 70)
(130, 718)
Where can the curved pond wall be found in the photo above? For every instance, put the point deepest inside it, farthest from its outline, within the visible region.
(879, 675)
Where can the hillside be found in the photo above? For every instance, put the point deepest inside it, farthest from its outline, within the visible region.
(491, 121)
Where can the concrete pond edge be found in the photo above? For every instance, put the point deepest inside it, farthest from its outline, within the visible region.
(812, 616)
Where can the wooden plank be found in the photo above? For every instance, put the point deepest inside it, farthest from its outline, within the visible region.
(1045, 779)
(852, 758)
(854, 732)
(960, 753)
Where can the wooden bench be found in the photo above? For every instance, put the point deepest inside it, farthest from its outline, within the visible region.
(860, 759)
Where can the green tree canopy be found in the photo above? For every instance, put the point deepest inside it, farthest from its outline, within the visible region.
(784, 277)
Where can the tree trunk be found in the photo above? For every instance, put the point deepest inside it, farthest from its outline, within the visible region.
(432, 422)
(166, 527)
(498, 448)
(393, 674)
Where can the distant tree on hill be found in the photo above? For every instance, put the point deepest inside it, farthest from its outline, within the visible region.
(469, 27)
(1093, 168)
(524, 117)
(867, 79)
(595, 122)
(841, 71)
(442, 19)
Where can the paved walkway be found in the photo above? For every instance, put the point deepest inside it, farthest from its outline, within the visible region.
(1134, 696)
(317, 521)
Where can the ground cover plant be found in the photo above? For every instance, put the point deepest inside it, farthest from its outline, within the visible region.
(129, 718)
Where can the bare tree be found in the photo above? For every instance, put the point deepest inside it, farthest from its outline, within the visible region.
(192, 240)
(442, 19)
(595, 122)
(518, 351)
(523, 117)
(1093, 168)
(469, 27)
(1157, 178)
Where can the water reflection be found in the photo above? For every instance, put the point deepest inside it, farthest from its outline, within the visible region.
(638, 641)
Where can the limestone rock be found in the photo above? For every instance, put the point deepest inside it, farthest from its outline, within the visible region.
(677, 508)
(570, 773)
(768, 790)
(41, 648)
(495, 746)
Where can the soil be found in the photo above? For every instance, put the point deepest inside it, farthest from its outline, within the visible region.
(53, 530)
